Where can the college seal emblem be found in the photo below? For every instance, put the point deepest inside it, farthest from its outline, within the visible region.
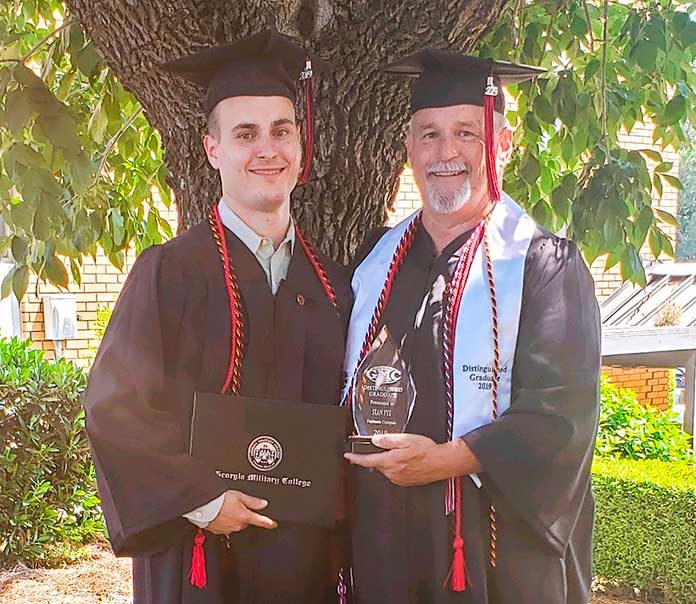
(265, 453)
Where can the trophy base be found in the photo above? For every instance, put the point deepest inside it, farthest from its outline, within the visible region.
(363, 445)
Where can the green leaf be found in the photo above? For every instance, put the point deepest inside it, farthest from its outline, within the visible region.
(654, 243)
(88, 60)
(591, 69)
(579, 26)
(27, 78)
(657, 184)
(6, 288)
(80, 169)
(674, 111)
(75, 272)
(20, 248)
(612, 260)
(20, 281)
(613, 233)
(61, 130)
(42, 225)
(543, 110)
(44, 179)
(687, 36)
(644, 53)
(530, 169)
(673, 181)
(663, 167)
(667, 217)
(56, 272)
(16, 111)
(632, 266)
(117, 227)
(98, 123)
(22, 215)
(652, 154)
(666, 243)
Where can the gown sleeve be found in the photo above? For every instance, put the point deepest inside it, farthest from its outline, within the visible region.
(538, 455)
(138, 404)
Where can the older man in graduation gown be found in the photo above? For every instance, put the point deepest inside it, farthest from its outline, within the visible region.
(486, 498)
(171, 336)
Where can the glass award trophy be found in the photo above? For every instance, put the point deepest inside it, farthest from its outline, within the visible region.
(383, 394)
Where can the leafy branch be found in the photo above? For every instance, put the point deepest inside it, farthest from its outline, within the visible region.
(34, 49)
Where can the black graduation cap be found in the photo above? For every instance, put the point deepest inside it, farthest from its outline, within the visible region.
(443, 79)
(262, 64)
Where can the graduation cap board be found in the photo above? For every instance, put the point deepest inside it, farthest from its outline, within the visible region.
(444, 79)
(263, 64)
(287, 453)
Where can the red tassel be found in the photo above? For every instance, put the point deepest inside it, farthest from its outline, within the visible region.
(197, 576)
(458, 570)
(457, 578)
(306, 76)
(489, 139)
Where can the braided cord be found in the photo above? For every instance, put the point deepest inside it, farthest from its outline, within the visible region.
(234, 369)
(319, 270)
(494, 390)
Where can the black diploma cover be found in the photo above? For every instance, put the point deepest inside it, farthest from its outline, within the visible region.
(287, 453)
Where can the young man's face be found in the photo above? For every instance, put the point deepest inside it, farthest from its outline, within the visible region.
(447, 154)
(256, 148)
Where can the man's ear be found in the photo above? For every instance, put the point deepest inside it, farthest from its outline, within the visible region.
(211, 144)
(504, 146)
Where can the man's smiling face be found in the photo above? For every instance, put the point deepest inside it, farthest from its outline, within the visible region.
(255, 145)
(446, 152)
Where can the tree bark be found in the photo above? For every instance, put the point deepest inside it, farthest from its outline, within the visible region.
(360, 113)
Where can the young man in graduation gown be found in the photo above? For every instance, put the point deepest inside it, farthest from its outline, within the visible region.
(172, 335)
(489, 325)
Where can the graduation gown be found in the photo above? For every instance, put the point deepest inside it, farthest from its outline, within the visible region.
(169, 337)
(536, 458)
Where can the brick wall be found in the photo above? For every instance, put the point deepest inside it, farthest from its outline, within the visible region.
(650, 384)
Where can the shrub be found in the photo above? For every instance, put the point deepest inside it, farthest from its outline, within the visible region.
(645, 526)
(631, 430)
(48, 496)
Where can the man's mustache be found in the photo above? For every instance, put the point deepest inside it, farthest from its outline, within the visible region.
(449, 166)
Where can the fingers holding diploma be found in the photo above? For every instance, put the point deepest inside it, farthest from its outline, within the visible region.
(239, 511)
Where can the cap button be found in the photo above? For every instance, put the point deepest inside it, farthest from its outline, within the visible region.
(300, 299)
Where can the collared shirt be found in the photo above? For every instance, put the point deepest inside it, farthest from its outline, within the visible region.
(274, 262)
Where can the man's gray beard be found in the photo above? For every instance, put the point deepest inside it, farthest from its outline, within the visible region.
(446, 203)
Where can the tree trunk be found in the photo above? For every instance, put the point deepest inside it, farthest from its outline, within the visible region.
(360, 114)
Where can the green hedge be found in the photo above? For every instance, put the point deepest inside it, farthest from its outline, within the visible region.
(645, 526)
(48, 498)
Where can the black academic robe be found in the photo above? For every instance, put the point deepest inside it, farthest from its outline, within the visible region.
(169, 337)
(536, 458)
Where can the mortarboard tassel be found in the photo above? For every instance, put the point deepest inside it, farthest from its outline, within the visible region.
(197, 576)
(489, 138)
(457, 575)
(306, 77)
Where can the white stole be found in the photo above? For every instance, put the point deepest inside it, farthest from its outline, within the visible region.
(509, 233)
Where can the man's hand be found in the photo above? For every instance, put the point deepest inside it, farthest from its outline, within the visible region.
(239, 511)
(412, 459)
